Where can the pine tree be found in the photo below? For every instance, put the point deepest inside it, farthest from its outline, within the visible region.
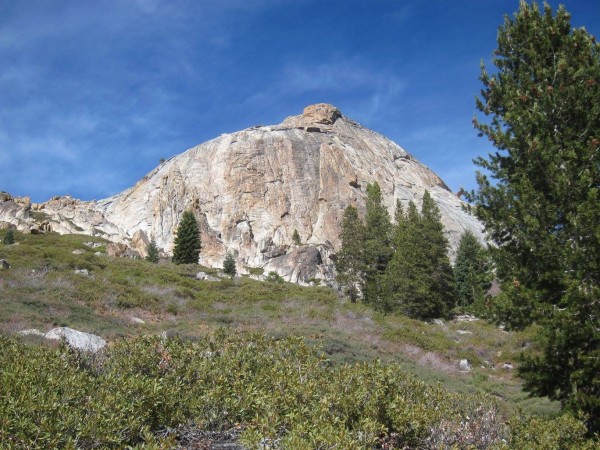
(435, 250)
(472, 272)
(419, 280)
(377, 246)
(9, 237)
(542, 209)
(187, 241)
(296, 237)
(399, 216)
(229, 265)
(406, 289)
(152, 251)
(349, 259)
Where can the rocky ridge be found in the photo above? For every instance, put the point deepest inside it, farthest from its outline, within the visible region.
(250, 190)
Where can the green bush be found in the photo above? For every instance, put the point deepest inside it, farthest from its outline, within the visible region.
(283, 393)
(9, 237)
(274, 277)
(562, 432)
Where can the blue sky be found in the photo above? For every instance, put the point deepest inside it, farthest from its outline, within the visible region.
(94, 93)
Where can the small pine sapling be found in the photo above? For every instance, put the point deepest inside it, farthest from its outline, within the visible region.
(229, 265)
(152, 251)
(9, 237)
(296, 238)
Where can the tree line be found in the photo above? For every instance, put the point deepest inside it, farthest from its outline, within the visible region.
(404, 266)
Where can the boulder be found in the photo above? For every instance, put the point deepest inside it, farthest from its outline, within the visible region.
(321, 113)
(76, 339)
(82, 272)
(116, 249)
(78, 251)
(301, 265)
(206, 277)
(121, 250)
(46, 227)
(140, 242)
(4, 265)
(464, 365)
(466, 318)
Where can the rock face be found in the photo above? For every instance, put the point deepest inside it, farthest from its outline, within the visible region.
(251, 189)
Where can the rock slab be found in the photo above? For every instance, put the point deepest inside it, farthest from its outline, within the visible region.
(77, 339)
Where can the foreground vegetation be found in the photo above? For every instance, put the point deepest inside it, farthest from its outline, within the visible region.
(329, 392)
(149, 391)
(42, 290)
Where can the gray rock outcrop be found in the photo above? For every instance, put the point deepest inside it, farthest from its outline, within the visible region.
(76, 339)
(251, 189)
(464, 365)
(206, 277)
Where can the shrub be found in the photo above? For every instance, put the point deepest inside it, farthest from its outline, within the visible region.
(536, 433)
(296, 237)
(274, 277)
(9, 237)
(283, 393)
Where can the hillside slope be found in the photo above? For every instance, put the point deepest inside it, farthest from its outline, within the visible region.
(122, 297)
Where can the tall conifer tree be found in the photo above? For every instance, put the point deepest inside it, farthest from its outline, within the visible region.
(472, 272)
(187, 241)
(543, 208)
(377, 245)
(405, 286)
(435, 250)
(418, 279)
(349, 260)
